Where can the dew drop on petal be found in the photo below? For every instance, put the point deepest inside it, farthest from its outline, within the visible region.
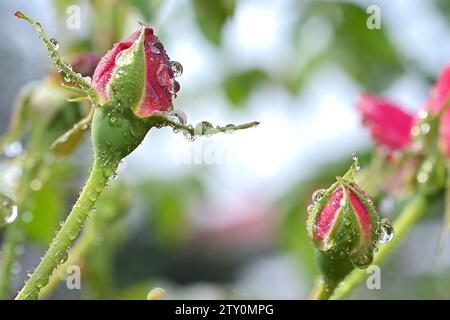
(156, 47)
(177, 68)
(174, 87)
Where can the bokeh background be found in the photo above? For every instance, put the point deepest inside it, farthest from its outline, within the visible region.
(224, 216)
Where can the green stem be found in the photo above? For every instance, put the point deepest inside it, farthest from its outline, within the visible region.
(323, 290)
(13, 237)
(78, 251)
(57, 253)
(406, 220)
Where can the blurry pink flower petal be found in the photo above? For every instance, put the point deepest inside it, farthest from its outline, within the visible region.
(441, 91)
(389, 125)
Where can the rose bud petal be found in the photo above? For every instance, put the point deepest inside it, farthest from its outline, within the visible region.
(137, 73)
(439, 100)
(389, 125)
(344, 223)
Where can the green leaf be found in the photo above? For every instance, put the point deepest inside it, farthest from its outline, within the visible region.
(47, 204)
(211, 17)
(368, 56)
(166, 204)
(238, 86)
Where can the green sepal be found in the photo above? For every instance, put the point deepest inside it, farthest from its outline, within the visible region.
(333, 269)
(116, 136)
(127, 85)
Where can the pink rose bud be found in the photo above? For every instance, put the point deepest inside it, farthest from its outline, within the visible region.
(343, 223)
(389, 125)
(138, 73)
(439, 100)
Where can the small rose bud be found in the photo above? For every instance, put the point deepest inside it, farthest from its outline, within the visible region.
(439, 100)
(133, 80)
(344, 224)
(389, 125)
(137, 74)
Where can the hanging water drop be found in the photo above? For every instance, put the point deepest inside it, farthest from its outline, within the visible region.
(13, 149)
(355, 156)
(363, 259)
(156, 47)
(55, 43)
(203, 128)
(387, 231)
(179, 115)
(177, 68)
(174, 87)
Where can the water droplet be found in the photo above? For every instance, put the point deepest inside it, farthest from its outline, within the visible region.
(363, 259)
(27, 217)
(174, 87)
(387, 231)
(118, 56)
(422, 177)
(156, 47)
(36, 185)
(16, 268)
(310, 208)
(177, 68)
(13, 149)
(423, 114)
(203, 128)
(317, 195)
(61, 256)
(415, 131)
(115, 121)
(355, 156)
(31, 296)
(55, 43)
(92, 195)
(179, 115)
(73, 233)
(425, 128)
(41, 281)
(12, 214)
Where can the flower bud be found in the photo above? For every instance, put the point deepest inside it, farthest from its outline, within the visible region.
(133, 80)
(137, 74)
(439, 101)
(389, 125)
(343, 223)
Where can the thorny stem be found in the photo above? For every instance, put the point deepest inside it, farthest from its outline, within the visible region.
(406, 220)
(78, 251)
(58, 251)
(63, 68)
